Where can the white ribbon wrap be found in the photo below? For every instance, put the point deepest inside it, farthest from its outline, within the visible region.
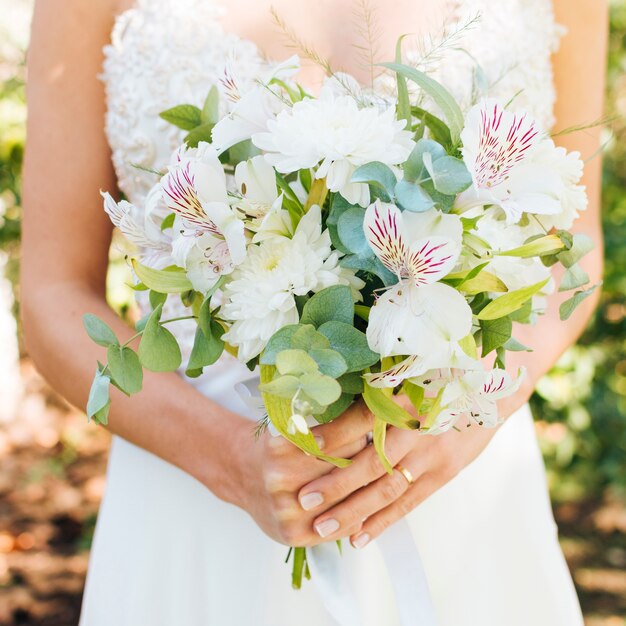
(329, 570)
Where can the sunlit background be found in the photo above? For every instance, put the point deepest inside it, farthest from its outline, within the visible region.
(52, 462)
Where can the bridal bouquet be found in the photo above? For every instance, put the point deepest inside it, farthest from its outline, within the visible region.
(347, 245)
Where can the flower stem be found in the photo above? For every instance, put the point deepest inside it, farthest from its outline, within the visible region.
(299, 563)
(317, 195)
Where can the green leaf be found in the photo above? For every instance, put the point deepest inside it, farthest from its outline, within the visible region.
(156, 298)
(329, 362)
(323, 389)
(307, 338)
(414, 393)
(351, 343)
(335, 409)
(185, 116)
(468, 345)
(513, 345)
(379, 435)
(569, 306)
(204, 132)
(370, 264)
(495, 333)
(412, 197)
(386, 409)
(449, 174)
(295, 362)
(168, 280)
(125, 369)
(548, 244)
(574, 277)
(206, 348)
(282, 386)
(510, 302)
(404, 104)
(351, 383)
(280, 340)
(580, 247)
(99, 397)
(279, 412)
(350, 231)
(440, 95)
(378, 175)
(99, 331)
(158, 350)
(168, 221)
(333, 303)
(210, 110)
(439, 130)
(414, 169)
(479, 282)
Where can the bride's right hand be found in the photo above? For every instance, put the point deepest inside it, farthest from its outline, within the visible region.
(270, 471)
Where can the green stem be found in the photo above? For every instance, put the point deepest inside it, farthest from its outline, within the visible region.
(299, 562)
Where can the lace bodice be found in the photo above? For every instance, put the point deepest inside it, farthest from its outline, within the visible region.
(167, 52)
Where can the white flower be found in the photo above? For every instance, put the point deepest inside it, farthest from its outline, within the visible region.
(141, 227)
(253, 107)
(209, 239)
(418, 315)
(473, 392)
(339, 136)
(572, 196)
(499, 149)
(260, 297)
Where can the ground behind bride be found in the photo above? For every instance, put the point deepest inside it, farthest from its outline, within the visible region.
(52, 462)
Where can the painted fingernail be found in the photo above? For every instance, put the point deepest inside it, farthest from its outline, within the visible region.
(319, 440)
(310, 500)
(360, 541)
(327, 527)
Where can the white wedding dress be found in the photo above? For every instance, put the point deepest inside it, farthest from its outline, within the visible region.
(167, 552)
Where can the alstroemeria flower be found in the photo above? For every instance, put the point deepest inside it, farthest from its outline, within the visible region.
(209, 237)
(418, 315)
(251, 107)
(498, 150)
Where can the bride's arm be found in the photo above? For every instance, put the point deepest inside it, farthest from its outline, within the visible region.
(579, 67)
(64, 262)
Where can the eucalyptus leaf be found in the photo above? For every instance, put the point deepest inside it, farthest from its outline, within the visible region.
(371, 264)
(378, 175)
(329, 362)
(99, 397)
(125, 369)
(581, 246)
(412, 197)
(351, 343)
(282, 386)
(207, 348)
(331, 304)
(335, 409)
(449, 175)
(158, 349)
(414, 167)
(321, 388)
(350, 231)
(351, 383)
(569, 306)
(295, 362)
(574, 277)
(99, 331)
(280, 340)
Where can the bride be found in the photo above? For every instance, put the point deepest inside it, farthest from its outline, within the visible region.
(197, 513)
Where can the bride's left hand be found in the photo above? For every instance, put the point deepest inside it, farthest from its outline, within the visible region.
(365, 492)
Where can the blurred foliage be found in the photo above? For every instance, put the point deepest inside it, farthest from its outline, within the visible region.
(582, 403)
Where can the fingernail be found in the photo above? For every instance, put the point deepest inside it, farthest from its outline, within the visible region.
(361, 540)
(320, 441)
(311, 500)
(327, 527)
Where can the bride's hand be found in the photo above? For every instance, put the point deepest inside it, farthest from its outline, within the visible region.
(270, 472)
(364, 496)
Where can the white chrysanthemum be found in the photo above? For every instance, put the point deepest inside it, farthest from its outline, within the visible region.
(572, 195)
(260, 297)
(339, 136)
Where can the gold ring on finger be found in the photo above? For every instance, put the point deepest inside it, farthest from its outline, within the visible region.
(405, 472)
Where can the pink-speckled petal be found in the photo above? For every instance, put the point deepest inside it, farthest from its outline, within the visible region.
(383, 230)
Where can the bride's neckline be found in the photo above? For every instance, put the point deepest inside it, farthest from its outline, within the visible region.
(310, 76)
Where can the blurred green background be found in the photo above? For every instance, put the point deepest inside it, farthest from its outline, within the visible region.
(52, 463)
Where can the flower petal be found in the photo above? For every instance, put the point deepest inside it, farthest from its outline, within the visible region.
(383, 227)
(414, 365)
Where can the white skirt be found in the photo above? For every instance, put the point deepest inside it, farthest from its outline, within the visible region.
(167, 552)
